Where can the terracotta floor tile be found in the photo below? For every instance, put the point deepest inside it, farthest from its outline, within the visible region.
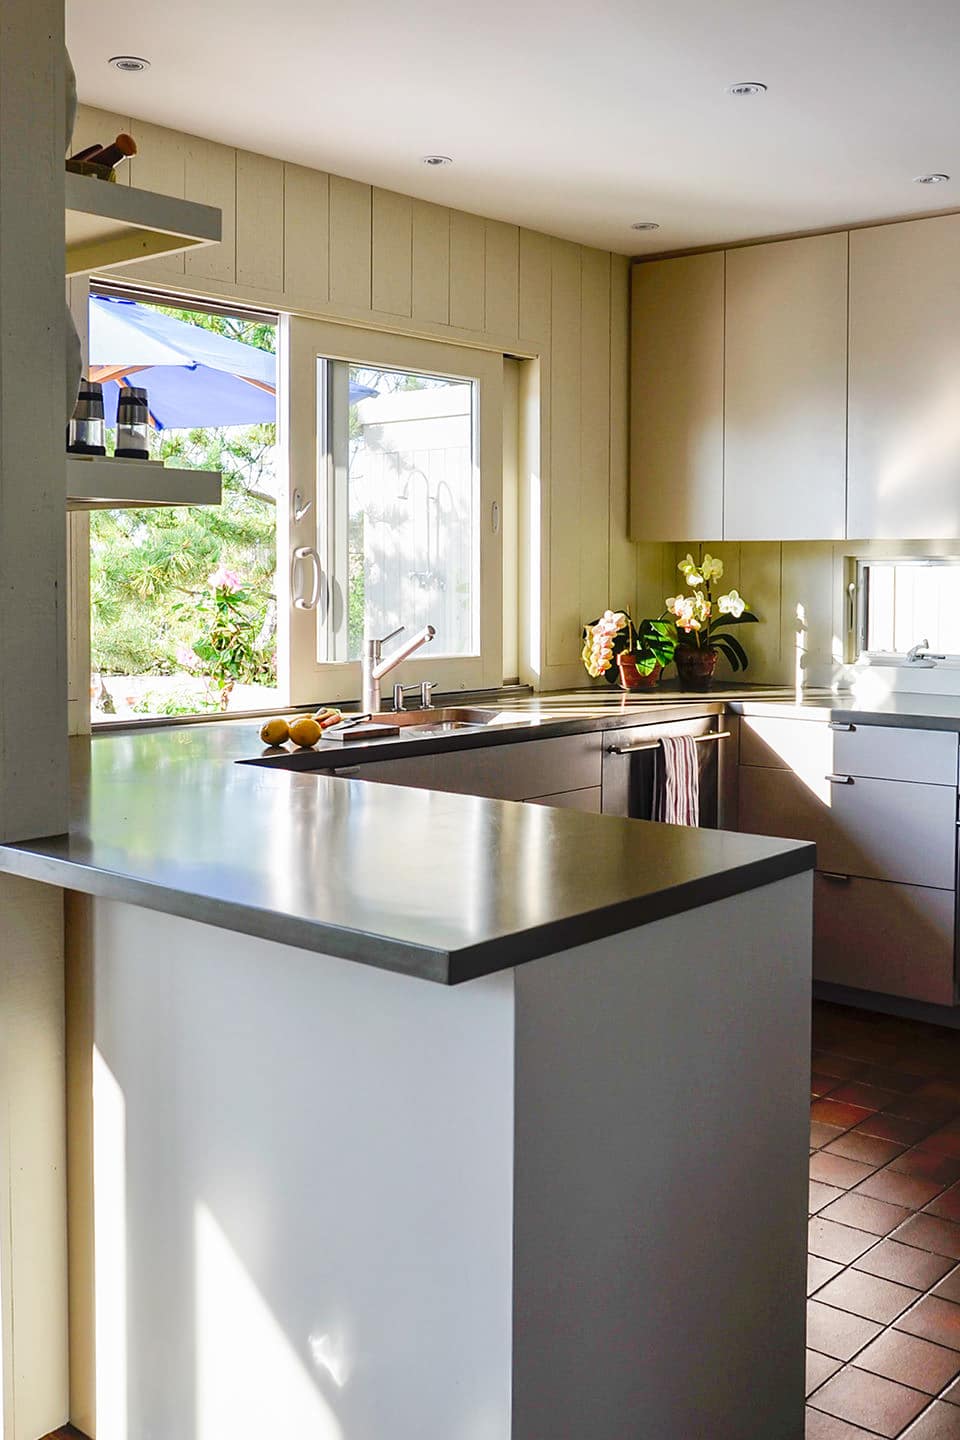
(837, 1333)
(822, 1084)
(821, 1195)
(924, 1162)
(826, 1427)
(949, 1287)
(927, 1232)
(821, 1134)
(940, 1422)
(928, 1111)
(868, 1295)
(941, 1089)
(871, 1097)
(907, 1266)
(819, 1271)
(821, 1367)
(838, 1170)
(893, 1127)
(931, 1319)
(868, 1150)
(911, 1191)
(940, 1142)
(842, 1066)
(837, 1242)
(871, 1401)
(863, 1213)
(889, 1078)
(834, 1112)
(946, 1205)
(910, 1360)
(953, 1394)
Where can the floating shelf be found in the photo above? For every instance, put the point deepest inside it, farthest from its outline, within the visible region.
(109, 225)
(97, 482)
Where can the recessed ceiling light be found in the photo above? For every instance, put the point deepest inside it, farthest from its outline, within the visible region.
(645, 225)
(937, 178)
(132, 64)
(747, 87)
(436, 160)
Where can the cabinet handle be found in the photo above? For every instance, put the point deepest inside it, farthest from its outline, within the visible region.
(839, 779)
(841, 725)
(345, 772)
(835, 876)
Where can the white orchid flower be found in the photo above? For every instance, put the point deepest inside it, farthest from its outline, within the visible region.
(712, 568)
(732, 604)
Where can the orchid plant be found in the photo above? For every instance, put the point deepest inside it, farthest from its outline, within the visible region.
(701, 621)
(651, 643)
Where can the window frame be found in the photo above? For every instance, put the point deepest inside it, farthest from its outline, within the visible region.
(860, 586)
(304, 676)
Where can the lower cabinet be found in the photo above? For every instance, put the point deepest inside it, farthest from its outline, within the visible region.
(586, 800)
(896, 939)
(881, 805)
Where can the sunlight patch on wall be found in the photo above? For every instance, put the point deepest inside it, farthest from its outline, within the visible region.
(250, 1380)
(110, 1248)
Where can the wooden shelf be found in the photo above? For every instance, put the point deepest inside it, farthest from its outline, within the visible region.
(109, 225)
(96, 482)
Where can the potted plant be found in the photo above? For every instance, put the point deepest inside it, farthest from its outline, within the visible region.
(702, 624)
(642, 665)
(633, 655)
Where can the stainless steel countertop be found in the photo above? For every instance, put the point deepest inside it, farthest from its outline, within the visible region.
(444, 887)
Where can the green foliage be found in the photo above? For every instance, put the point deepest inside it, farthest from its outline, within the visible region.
(655, 644)
(151, 601)
(230, 649)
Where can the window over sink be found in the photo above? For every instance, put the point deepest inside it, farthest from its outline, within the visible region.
(906, 602)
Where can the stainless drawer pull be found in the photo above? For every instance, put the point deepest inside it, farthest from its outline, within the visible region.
(841, 725)
(835, 876)
(655, 744)
(839, 779)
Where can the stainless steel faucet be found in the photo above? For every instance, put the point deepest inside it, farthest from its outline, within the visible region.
(374, 667)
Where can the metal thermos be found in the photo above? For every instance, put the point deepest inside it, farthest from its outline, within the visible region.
(85, 432)
(133, 424)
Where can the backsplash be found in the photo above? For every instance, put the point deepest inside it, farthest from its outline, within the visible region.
(798, 591)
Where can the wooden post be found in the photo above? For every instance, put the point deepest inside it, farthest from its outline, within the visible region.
(33, 717)
(33, 694)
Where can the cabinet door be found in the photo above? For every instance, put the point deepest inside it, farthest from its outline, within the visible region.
(904, 441)
(676, 436)
(519, 771)
(895, 939)
(586, 800)
(785, 397)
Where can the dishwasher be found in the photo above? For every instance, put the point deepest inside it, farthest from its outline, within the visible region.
(630, 758)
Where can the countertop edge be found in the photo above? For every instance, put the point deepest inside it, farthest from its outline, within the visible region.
(446, 967)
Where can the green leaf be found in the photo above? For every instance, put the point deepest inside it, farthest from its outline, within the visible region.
(733, 650)
(747, 618)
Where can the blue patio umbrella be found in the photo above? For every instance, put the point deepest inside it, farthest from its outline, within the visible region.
(193, 377)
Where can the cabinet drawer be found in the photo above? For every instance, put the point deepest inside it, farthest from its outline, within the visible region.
(895, 939)
(889, 753)
(814, 748)
(519, 771)
(878, 829)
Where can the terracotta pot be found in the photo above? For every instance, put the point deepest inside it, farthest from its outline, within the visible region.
(696, 667)
(633, 679)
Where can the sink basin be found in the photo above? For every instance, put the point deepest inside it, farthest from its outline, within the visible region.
(442, 719)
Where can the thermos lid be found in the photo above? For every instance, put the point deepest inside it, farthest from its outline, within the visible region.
(91, 390)
(133, 392)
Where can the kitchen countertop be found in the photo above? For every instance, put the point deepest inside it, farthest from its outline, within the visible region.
(439, 886)
(901, 709)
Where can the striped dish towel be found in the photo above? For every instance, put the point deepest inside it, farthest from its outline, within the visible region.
(676, 799)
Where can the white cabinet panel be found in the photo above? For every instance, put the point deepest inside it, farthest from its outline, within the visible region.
(785, 394)
(904, 420)
(895, 939)
(888, 753)
(879, 829)
(677, 399)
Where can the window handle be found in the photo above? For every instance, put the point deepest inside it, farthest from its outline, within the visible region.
(300, 510)
(307, 552)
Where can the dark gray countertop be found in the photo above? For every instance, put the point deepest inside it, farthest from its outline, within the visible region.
(908, 711)
(444, 887)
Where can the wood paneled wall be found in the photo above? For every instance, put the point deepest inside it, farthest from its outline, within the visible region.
(317, 244)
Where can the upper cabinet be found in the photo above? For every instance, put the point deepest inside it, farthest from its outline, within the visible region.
(785, 370)
(676, 441)
(904, 423)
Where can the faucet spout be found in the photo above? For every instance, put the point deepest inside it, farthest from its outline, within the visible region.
(375, 666)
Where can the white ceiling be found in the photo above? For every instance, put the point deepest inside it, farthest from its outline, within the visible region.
(571, 118)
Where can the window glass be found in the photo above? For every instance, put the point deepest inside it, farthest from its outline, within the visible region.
(402, 454)
(908, 602)
(183, 600)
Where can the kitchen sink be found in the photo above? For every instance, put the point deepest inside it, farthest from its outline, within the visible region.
(447, 720)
